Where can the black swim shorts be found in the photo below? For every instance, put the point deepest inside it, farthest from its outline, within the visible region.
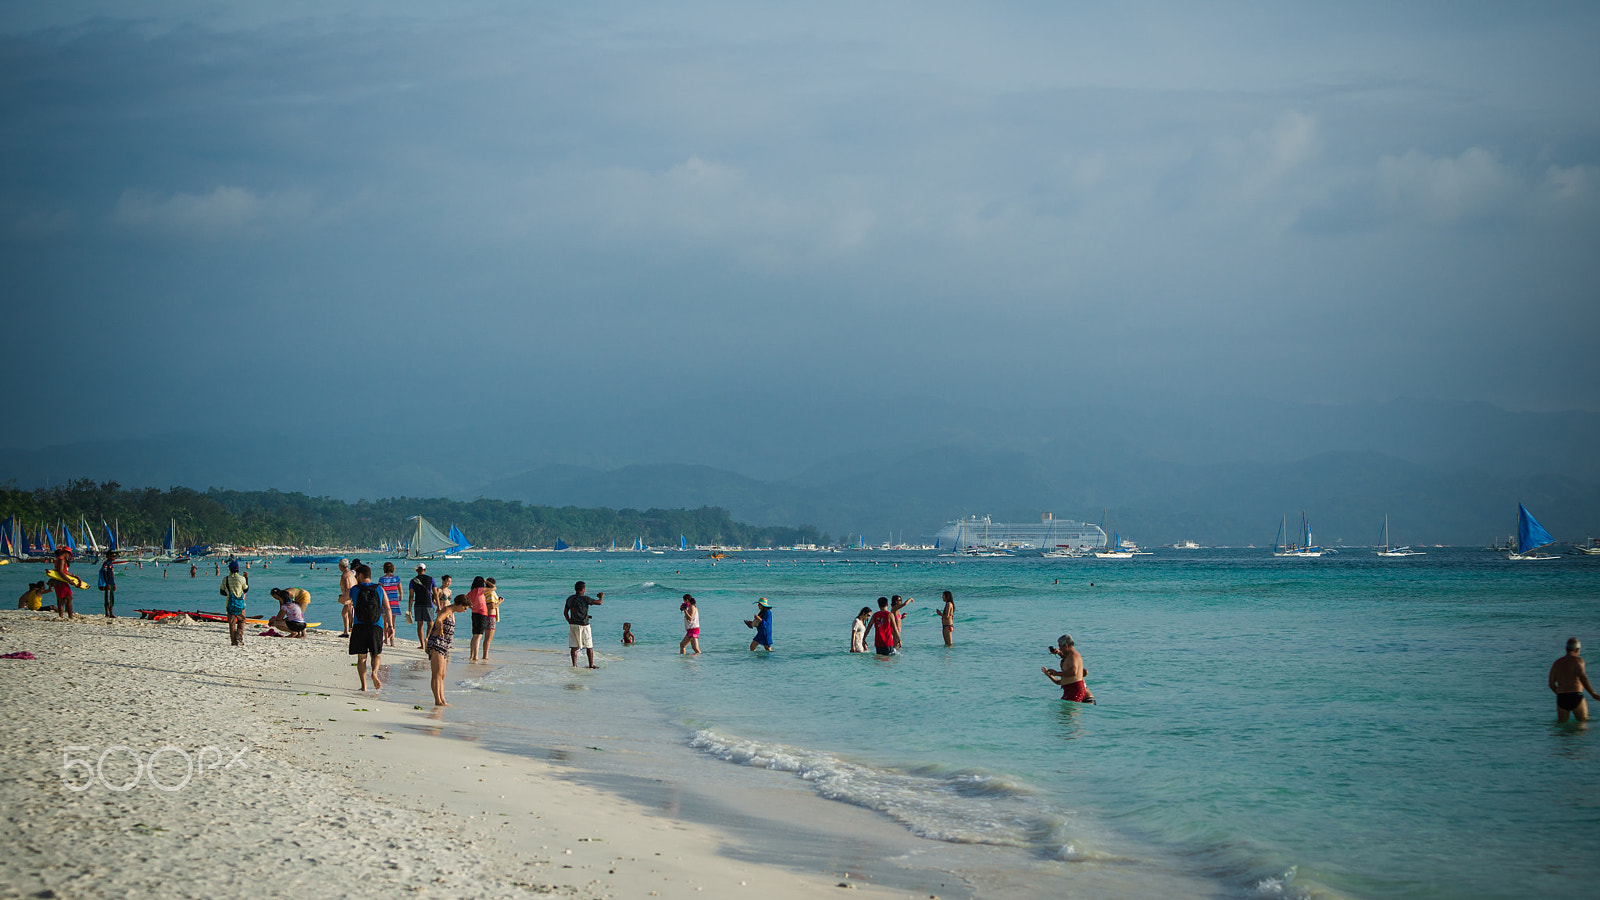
(1570, 701)
(366, 639)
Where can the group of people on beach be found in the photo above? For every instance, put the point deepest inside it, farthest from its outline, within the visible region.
(369, 609)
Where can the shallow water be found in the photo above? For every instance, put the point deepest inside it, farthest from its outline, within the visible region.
(1347, 726)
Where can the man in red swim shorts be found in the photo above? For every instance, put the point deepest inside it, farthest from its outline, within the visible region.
(1072, 673)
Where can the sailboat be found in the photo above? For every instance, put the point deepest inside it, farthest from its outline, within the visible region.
(1395, 551)
(427, 542)
(1305, 549)
(458, 543)
(1531, 537)
(1113, 550)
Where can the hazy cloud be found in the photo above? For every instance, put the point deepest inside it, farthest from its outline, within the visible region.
(223, 211)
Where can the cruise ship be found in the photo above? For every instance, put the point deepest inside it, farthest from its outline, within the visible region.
(1045, 535)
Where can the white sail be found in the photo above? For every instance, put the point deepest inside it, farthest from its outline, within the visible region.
(427, 541)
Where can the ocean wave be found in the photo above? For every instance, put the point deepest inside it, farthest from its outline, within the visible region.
(963, 806)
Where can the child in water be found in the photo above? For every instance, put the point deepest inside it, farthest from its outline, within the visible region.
(627, 632)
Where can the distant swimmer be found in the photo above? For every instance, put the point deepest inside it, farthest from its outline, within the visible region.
(947, 617)
(762, 623)
(627, 633)
(1568, 681)
(1072, 674)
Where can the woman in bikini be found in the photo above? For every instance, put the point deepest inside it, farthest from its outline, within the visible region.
(439, 638)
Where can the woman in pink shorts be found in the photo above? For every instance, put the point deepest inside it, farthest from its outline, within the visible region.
(691, 625)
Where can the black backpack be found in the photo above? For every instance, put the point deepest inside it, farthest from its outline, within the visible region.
(369, 604)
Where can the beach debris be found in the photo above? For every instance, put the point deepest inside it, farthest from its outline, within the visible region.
(20, 654)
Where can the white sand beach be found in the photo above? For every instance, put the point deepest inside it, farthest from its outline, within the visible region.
(312, 789)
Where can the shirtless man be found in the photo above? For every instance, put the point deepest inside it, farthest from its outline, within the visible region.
(1072, 671)
(947, 617)
(1568, 680)
(347, 580)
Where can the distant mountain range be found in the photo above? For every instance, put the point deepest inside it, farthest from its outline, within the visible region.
(1215, 472)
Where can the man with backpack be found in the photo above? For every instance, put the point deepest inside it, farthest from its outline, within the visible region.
(371, 623)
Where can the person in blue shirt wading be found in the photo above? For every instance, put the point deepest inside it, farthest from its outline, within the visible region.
(762, 623)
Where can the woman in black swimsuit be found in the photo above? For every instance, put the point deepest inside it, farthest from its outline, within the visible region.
(439, 638)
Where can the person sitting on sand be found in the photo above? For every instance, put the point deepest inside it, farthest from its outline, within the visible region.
(858, 630)
(290, 617)
(440, 634)
(1568, 680)
(627, 632)
(33, 597)
(1072, 674)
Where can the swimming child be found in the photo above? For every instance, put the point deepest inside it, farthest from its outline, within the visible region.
(627, 632)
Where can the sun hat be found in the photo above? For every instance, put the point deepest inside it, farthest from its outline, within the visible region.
(422, 567)
(763, 602)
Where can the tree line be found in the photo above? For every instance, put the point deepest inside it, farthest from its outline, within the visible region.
(262, 518)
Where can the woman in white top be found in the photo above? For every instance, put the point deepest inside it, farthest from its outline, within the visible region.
(691, 625)
(858, 631)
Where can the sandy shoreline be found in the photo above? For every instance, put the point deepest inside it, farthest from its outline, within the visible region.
(312, 790)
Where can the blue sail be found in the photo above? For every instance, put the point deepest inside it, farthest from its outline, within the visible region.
(638, 543)
(560, 544)
(50, 541)
(172, 535)
(458, 539)
(111, 537)
(8, 547)
(683, 542)
(1530, 534)
(66, 535)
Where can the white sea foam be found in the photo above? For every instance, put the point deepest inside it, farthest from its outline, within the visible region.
(962, 806)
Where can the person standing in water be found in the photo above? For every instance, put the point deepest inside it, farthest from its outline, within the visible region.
(491, 602)
(1568, 680)
(858, 630)
(762, 623)
(1072, 674)
(947, 617)
(576, 612)
(883, 629)
(108, 582)
(897, 607)
(691, 625)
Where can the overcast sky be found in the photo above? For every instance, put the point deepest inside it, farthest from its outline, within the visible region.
(294, 209)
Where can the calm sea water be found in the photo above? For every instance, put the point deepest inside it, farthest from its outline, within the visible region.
(1346, 726)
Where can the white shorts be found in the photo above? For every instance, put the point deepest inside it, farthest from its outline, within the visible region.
(579, 638)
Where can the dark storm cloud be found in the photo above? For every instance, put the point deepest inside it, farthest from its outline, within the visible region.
(275, 205)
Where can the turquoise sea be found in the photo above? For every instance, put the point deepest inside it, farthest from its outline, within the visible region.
(1348, 726)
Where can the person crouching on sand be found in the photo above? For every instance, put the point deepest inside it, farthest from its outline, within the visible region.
(290, 617)
(440, 634)
(1072, 674)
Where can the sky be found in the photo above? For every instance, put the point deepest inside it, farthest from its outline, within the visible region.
(309, 214)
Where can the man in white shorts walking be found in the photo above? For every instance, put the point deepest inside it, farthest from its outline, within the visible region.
(577, 616)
